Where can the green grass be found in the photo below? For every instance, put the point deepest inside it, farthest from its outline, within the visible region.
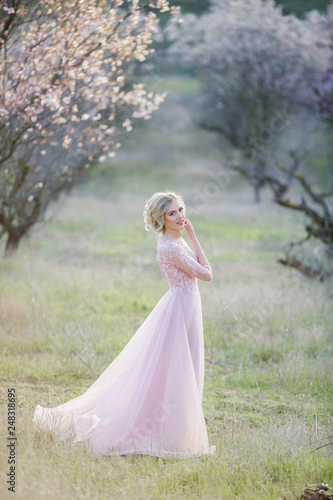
(268, 383)
(78, 289)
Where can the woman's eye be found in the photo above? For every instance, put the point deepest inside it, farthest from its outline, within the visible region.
(181, 209)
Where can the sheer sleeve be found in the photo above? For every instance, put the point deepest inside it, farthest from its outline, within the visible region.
(188, 263)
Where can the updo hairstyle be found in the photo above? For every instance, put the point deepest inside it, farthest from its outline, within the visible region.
(156, 207)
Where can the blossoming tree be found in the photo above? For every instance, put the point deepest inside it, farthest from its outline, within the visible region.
(323, 82)
(65, 93)
(256, 67)
(263, 76)
(316, 204)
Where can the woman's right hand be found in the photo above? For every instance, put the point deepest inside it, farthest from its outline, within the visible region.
(189, 229)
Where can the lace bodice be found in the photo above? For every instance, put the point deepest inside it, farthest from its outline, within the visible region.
(180, 266)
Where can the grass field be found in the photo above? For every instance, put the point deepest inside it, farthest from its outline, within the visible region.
(81, 285)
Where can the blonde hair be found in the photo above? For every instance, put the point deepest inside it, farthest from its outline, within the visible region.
(156, 207)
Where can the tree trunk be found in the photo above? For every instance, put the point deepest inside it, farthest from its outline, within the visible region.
(13, 240)
(257, 191)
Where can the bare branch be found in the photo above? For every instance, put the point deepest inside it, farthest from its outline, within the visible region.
(308, 271)
(307, 189)
(325, 194)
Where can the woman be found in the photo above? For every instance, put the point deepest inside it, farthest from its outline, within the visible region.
(148, 401)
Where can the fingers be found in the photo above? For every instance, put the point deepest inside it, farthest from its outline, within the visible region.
(188, 227)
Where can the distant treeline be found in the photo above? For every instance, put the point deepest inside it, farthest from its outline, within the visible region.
(298, 7)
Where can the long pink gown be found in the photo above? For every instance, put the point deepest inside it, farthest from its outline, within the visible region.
(149, 400)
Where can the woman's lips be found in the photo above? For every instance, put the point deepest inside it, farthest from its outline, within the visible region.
(180, 222)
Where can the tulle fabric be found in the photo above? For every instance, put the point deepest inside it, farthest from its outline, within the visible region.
(148, 400)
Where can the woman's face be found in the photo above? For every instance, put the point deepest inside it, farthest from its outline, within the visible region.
(174, 217)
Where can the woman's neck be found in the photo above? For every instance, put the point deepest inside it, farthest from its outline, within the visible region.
(172, 235)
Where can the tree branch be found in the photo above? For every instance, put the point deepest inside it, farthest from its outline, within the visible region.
(8, 22)
(307, 189)
(306, 270)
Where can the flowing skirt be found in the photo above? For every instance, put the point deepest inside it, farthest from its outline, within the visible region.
(148, 400)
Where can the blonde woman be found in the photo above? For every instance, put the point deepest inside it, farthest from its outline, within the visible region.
(148, 401)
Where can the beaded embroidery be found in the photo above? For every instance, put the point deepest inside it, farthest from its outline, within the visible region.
(172, 254)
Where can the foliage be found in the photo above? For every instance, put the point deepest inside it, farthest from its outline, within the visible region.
(300, 7)
(65, 95)
(195, 6)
